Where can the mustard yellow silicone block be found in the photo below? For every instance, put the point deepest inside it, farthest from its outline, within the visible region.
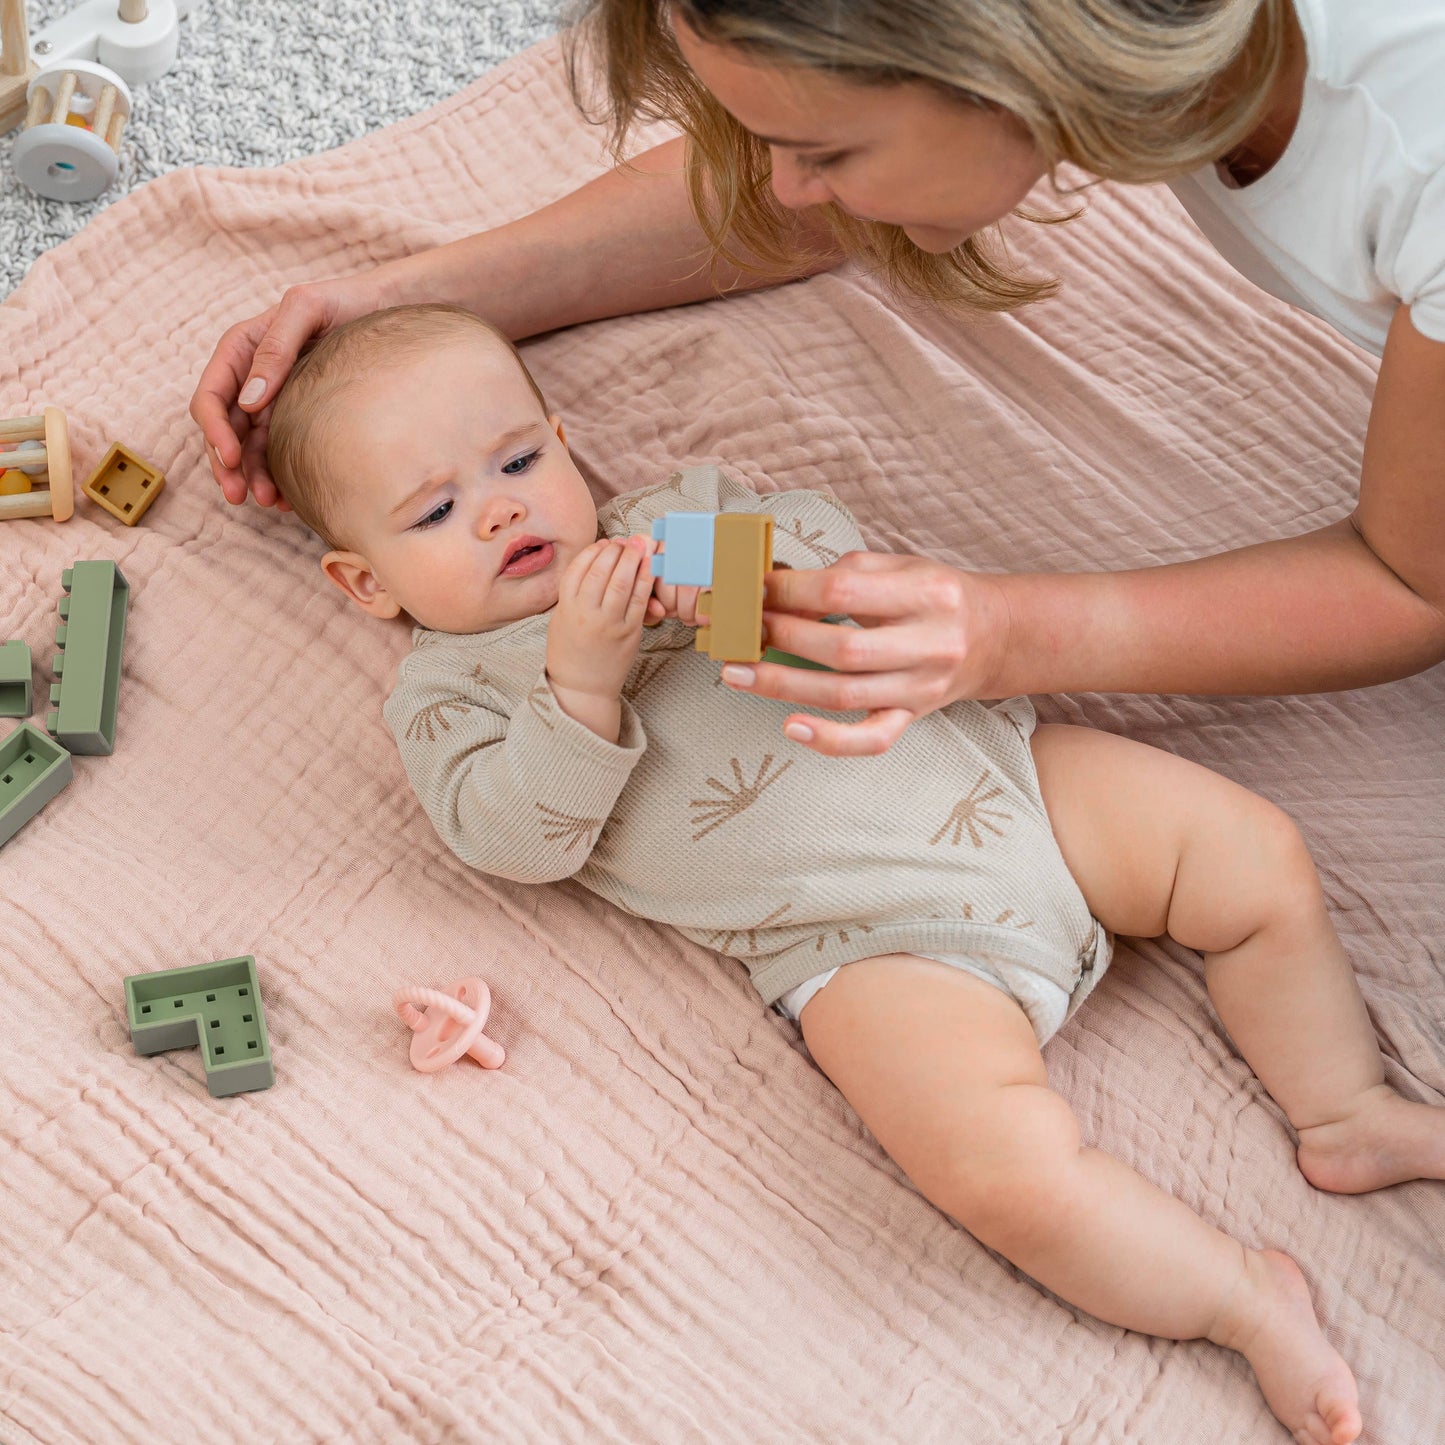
(733, 605)
(124, 485)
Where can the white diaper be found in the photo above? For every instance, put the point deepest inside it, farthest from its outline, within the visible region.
(1045, 1003)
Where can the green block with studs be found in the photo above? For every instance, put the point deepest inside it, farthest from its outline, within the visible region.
(33, 769)
(91, 636)
(216, 1005)
(17, 695)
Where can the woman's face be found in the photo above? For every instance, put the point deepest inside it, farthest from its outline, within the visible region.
(909, 155)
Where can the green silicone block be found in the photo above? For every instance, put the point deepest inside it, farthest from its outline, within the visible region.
(791, 659)
(32, 771)
(16, 696)
(91, 636)
(217, 1005)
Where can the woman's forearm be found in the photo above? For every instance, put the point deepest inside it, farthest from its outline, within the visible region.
(624, 242)
(1316, 613)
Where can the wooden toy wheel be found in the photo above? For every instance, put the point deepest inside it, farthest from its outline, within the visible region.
(57, 454)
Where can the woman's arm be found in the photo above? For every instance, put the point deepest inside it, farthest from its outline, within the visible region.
(1359, 602)
(626, 241)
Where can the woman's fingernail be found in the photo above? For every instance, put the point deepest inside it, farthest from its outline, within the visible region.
(253, 390)
(737, 676)
(799, 732)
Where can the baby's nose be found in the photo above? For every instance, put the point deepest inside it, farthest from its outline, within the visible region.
(501, 514)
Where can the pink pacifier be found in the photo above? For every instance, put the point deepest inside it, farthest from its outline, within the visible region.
(449, 1026)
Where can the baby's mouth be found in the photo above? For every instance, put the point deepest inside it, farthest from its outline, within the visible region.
(525, 556)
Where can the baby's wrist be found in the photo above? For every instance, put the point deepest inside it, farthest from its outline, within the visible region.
(599, 712)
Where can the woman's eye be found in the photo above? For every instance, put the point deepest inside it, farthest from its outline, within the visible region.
(819, 163)
(518, 465)
(432, 518)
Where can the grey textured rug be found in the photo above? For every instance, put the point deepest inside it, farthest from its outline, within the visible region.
(259, 82)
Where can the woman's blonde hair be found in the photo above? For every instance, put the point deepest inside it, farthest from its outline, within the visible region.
(1129, 90)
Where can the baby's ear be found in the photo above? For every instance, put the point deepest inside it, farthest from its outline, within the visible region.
(555, 422)
(350, 573)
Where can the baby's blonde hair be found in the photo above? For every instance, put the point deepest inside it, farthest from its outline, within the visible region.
(299, 446)
(1130, 90)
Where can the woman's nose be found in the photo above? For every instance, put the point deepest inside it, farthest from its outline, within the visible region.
(795, 186)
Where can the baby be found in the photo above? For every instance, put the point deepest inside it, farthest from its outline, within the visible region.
(930, 916)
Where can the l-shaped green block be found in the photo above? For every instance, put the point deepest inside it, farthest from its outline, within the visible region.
(216, 1005)
(91, 636)
(16, 693)
(33, 769)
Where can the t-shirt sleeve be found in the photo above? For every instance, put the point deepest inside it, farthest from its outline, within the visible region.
(1420, 263)
(522, 797)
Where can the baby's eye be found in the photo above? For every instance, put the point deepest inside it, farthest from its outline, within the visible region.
(518, 465)
(432, 518)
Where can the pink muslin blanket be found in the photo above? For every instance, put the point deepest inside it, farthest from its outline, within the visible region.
(658, 1222)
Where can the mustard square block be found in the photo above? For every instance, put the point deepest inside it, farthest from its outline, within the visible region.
(124, 485)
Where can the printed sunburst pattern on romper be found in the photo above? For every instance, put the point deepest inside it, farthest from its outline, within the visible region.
(1006, 918)
(623, 507)
(971, 813)
(426, 722)
(540, 701)
(826, 555)
(734, 801)
(646, 670)
(723, 938)
(558, 826)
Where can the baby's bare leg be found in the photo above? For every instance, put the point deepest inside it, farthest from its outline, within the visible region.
(1161, 845)
(945, 1070)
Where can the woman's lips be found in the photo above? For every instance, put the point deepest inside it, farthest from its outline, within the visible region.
(529, 560)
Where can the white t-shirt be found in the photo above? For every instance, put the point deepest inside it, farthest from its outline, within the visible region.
(1350, 221)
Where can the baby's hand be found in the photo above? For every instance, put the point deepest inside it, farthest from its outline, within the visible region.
(670, 600)
(597, 628)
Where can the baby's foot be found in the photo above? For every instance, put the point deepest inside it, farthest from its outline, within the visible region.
(1384, 1140)
(1270, 1321)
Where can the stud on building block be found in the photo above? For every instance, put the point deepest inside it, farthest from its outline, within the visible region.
(33, 769)
(216, 1005)
(91, 637)
(124, 484)
(17, 695)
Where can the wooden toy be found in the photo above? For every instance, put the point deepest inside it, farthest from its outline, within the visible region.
(216, 1005)
(446, 1024)
(16, 66)
(32, 771)
(37, 447)
(91, 636)
(124, 484)
(17, 695)
(75, 115)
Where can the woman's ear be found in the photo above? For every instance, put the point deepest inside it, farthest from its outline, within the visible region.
(351, 574)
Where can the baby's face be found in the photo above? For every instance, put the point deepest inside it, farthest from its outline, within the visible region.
(460, 494)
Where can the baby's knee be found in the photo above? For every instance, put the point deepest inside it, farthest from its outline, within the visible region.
(1005, 1172)
(1252, 873)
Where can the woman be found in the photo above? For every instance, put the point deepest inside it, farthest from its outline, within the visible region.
(1307, 139)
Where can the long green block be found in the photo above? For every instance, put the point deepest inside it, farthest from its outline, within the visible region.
(216, 1005)
(91, 636)
(16, 693)
(32, 771)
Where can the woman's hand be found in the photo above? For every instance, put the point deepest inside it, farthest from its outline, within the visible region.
(929, 634)
(232, 402)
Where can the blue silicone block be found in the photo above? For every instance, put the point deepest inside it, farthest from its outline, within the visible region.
(688, 539)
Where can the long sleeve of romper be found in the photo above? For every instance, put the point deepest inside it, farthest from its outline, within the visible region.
(521, 795)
